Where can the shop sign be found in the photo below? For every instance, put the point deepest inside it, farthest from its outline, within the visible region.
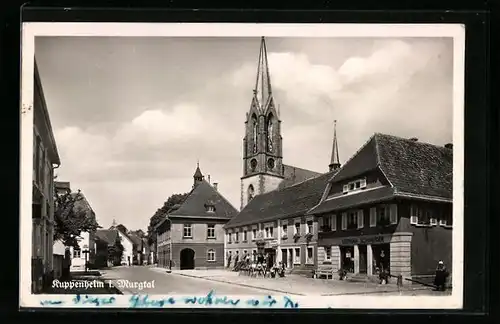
(363, 240)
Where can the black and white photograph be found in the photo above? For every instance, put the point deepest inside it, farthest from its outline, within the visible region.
(242, 165)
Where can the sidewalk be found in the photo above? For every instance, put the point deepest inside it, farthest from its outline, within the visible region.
(294, 284)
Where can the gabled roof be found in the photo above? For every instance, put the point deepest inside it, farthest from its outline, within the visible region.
(293, 175)
(410, 166)
(283, 203)
(108, 236)
(195, 203)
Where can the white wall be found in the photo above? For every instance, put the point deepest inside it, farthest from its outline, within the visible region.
(128, 248)
(78, 262)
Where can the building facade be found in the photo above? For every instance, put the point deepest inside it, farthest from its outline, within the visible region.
(389, 207)
(45, 159)
(192, 234)
(275, 197)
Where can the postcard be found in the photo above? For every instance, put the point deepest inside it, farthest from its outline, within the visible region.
(207, 165)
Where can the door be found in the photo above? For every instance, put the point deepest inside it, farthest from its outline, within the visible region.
(187, 259)
(284, 257)
(363, 259)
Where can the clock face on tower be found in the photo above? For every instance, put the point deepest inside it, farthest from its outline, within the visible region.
(270, 164)
(253, 164)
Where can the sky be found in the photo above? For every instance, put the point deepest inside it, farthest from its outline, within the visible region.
(133, 115)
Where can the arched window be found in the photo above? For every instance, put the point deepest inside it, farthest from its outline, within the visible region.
(211, 255)
(254, 133)
(269, 131)
(250, 192)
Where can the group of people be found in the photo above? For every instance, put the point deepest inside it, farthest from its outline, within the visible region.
(260, 260)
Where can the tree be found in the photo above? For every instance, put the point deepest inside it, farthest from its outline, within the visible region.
(115, 252)
(161, 213)
(72, 216)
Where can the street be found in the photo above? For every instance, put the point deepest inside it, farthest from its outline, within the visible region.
(148, 280)
(171, 284)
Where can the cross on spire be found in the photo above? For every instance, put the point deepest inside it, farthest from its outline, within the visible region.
(262, 88)
(335, 162)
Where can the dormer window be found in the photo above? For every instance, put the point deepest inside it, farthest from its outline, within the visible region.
(210, 207)
(358, 184)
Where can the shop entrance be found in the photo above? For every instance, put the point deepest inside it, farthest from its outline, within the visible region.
(284, 257)
(347, 258)
(272, 256)
(381, 257)
(363, 268)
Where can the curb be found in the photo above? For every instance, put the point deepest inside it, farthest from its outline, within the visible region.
(239, 284)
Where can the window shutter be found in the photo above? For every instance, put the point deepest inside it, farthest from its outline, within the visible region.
(334, 223)
(345, 189)
(344, 221)
(361, 221)
(373, 217)
(393, 214)
(413, 215)
(320, 224)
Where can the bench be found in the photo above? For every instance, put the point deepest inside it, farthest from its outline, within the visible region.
(326, 273)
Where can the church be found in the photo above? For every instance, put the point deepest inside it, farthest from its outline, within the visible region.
(388, 208)
(275, 197)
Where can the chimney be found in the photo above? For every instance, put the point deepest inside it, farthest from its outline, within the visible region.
(414, 139)
(215, 185)
(208, 176)
(449, 146)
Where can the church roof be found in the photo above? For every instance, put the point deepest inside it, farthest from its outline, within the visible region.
(293, 175)
(195, 204)
(282, 203)
(413, 168)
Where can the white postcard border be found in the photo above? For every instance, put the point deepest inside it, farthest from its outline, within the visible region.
(456, 31)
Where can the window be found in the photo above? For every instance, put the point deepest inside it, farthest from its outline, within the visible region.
(237, 237)
(270, 133)
(250, 192)
(211, 255)
(296, 257)
(211, 231)
(254, 133)
(352, 220)
(328, 253)
(354, 185)
(431, 217)
(187, 231)
(254, 233)
(310, 255)
(76, 253)
(244, 236)
(210, 209)
(420, 216)
(269, 232)
(284, 229)
(229, 238)
(309, 227)
(327, 224)
(383, 215)
(297, 228)
(446, 219)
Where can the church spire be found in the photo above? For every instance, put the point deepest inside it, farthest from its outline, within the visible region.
(262, 90)
(335, 162)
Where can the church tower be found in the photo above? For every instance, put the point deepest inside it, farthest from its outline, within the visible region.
(334, 162)
(263, 169)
